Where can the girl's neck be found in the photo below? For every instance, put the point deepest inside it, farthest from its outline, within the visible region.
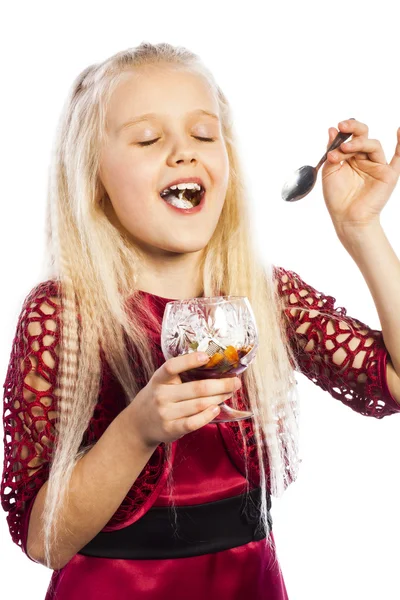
(178, 280)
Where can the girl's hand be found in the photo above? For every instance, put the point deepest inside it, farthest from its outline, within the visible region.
(356, 191)
(166, 409)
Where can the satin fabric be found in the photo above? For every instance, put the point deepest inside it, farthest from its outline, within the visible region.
(203, 472)
(236, 574)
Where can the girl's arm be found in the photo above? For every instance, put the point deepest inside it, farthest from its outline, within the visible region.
(371, 251)
(337, 352)
(99, 483)
(101, 478)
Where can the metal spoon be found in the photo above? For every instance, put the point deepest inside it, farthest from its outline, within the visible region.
(303, 180)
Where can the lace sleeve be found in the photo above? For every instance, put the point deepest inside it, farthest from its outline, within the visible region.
(30, 407)
(337, 352)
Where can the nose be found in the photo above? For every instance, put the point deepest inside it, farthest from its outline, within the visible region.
(183, 152)
(188, 159)
(185, 159)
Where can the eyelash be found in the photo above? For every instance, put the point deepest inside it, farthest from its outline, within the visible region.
(203, 139)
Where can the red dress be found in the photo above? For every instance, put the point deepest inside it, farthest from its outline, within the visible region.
(203, 473)
(205, 462)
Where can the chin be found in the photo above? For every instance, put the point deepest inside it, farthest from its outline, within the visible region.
(182, 247)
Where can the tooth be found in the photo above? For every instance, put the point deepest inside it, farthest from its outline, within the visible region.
(183, 186)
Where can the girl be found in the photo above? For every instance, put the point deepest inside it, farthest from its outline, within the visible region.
(114, 475)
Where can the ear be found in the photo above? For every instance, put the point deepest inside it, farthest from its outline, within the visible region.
(100, 192)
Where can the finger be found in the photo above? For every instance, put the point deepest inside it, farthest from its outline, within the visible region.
(329, 166)
(332, 134)
(335, 156)
(194, 422)
(356, 128)
(189, 408)
(183, 425)
(395, 162)
(206, 388)
(372, 148)
(169, 371)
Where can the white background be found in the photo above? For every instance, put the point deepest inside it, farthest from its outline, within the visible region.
(290, 71)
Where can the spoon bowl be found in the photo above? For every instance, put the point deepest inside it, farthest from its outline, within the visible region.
(303, 180)
(301, 183)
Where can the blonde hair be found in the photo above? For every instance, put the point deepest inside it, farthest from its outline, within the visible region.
(98, 268)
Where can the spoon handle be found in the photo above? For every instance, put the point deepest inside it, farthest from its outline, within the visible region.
(339, 139)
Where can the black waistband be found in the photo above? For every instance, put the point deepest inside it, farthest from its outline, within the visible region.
(199, 529)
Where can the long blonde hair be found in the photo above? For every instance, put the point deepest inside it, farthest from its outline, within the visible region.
(98, 268)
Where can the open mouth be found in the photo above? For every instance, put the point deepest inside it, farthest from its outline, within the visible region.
(186, 198)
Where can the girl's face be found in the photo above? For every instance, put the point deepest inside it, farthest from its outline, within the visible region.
(133, 174)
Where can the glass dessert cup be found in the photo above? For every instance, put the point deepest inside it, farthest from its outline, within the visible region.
(223, 327)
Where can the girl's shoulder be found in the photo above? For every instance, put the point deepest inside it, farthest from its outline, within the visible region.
(39, 313)
(50, 288)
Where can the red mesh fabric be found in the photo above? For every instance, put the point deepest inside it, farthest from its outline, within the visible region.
(30, 405)
(30, 414)
(350, 365)
(338, 353)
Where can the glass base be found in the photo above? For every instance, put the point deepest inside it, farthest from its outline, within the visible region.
(227, 414)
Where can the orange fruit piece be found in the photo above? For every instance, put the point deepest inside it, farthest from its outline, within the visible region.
(214, 360)
(231, 354)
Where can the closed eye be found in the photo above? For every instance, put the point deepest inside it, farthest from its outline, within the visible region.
(203, 139)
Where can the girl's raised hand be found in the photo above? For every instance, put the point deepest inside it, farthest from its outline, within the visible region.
(166, 409)
(357, 181)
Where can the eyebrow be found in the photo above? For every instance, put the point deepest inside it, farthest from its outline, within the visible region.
(147, 116)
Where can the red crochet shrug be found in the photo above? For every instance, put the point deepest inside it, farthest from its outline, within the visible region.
(356, 376)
